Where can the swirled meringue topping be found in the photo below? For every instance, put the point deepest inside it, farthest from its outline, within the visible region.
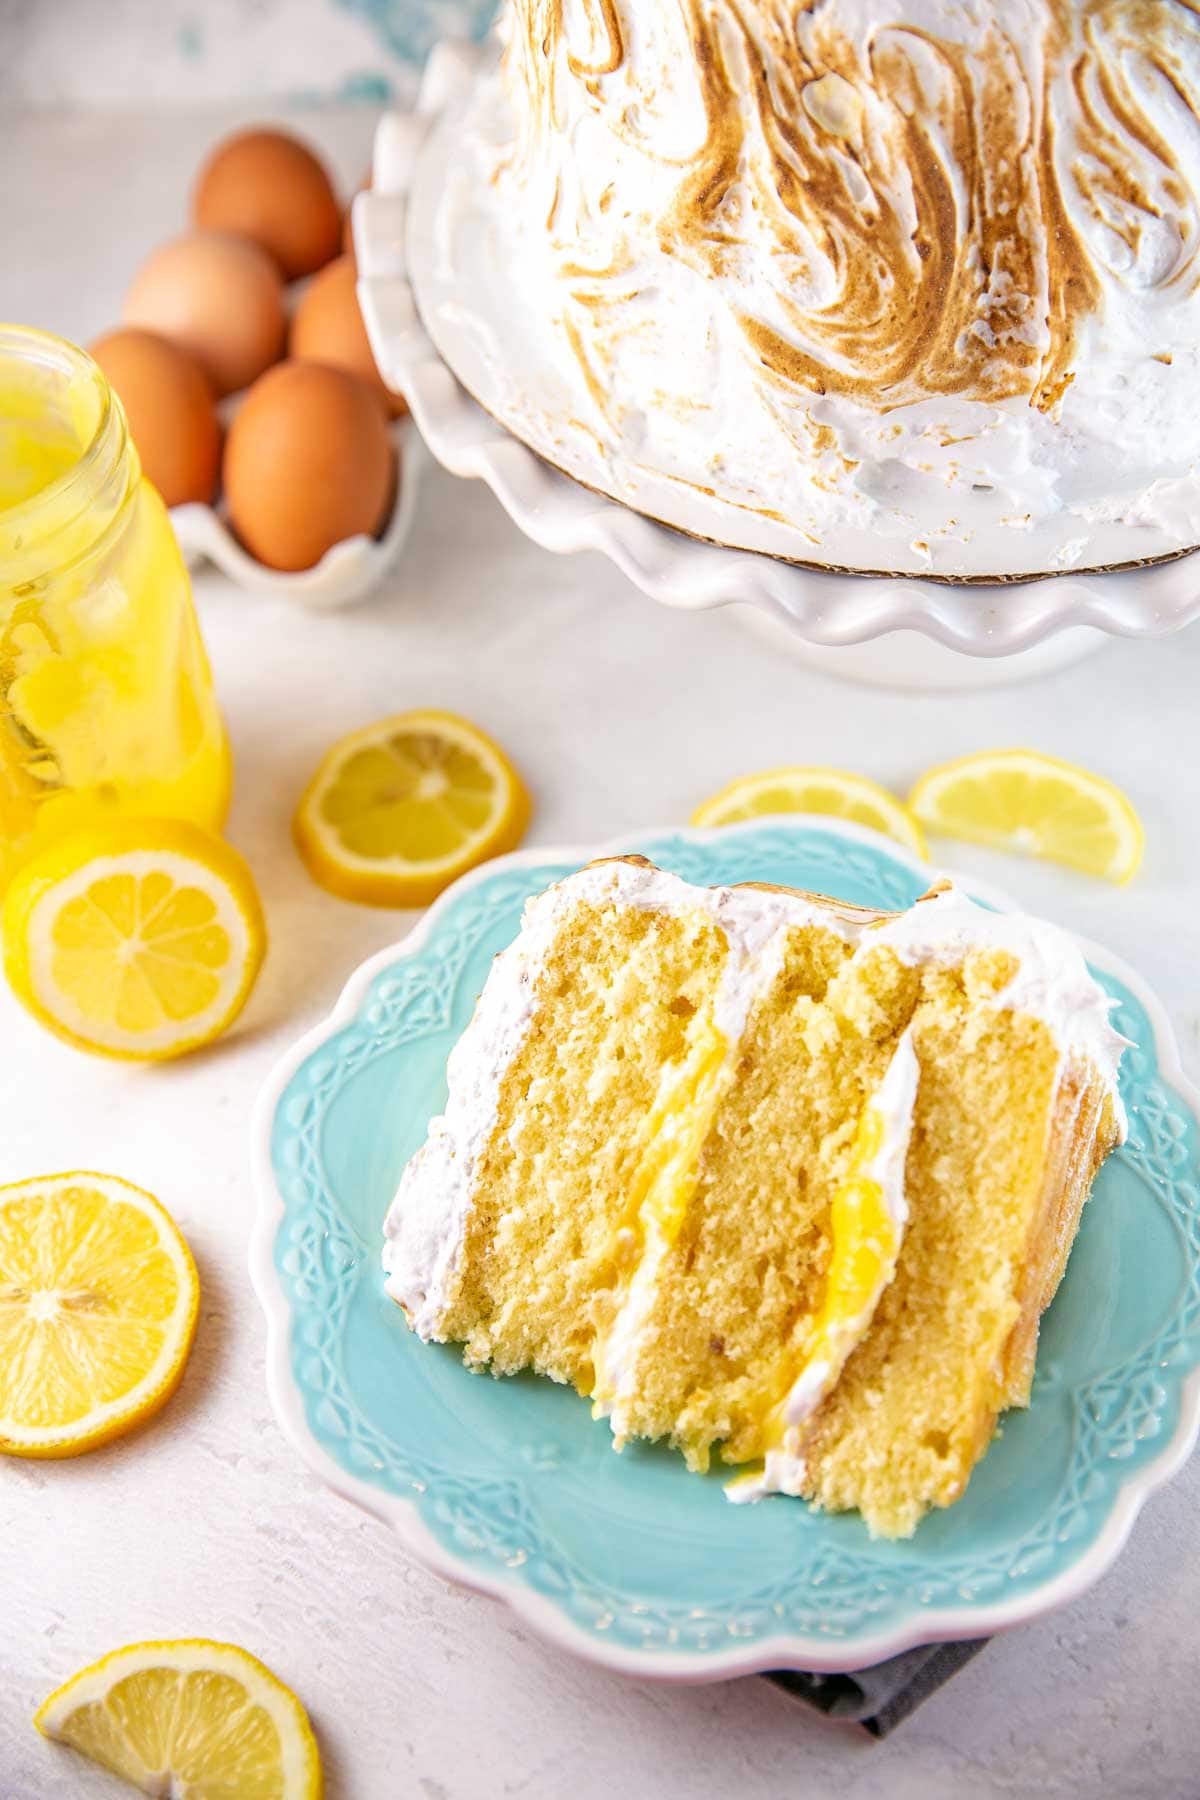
(911, 271)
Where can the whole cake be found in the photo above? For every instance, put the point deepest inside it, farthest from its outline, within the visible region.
(766, 1175)
(906, 286)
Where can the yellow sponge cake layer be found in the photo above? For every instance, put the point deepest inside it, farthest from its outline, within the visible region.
(619, 999)
(918, 1399)
(771, 1177)
(739, 1296)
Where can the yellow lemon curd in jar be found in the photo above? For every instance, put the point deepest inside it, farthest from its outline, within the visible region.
(107, 705)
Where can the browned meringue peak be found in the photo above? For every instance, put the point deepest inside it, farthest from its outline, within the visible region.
(918, 201)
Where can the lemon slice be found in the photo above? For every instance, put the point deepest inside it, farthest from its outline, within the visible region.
(98, 1301)
(813, 790)
(399, 810)
(1035, 805)
(135, 939)
(193, 1719)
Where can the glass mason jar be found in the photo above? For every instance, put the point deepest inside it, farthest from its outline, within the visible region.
(107, 705)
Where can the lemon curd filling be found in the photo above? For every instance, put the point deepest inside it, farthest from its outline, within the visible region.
(663, 1182)
(771, 1178)
(106, 698)
(867, 1217)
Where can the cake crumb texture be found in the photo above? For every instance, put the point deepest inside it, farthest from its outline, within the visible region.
(677, 1206)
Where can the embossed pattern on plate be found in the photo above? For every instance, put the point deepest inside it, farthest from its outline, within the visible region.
(513, 1488)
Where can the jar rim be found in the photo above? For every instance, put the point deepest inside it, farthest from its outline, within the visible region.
(101, 458)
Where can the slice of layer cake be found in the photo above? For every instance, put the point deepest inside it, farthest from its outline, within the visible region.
(766, 1175)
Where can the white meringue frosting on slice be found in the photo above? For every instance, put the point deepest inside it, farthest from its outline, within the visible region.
(426, 1226)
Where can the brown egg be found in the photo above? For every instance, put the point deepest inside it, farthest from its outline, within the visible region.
(168, 402)
(328, 328)
(218, 297)
(268, 186)
(308, 462)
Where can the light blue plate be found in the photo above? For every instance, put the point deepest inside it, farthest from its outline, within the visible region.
(511, 1486)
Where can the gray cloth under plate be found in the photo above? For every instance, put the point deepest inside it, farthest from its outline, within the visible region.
(880, 1697)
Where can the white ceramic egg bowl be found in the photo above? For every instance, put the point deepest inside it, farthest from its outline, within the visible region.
(346, 573)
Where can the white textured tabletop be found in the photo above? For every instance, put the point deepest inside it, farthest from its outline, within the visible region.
(622, 716)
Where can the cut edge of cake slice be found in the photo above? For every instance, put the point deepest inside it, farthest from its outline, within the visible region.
(652, 1152)
(733, 1296)
(868, 1216)
(1016, 1110)
(701, 960)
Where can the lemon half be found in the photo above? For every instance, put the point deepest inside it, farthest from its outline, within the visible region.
(139, 939)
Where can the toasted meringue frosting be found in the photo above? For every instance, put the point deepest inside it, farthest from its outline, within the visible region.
(910, 286)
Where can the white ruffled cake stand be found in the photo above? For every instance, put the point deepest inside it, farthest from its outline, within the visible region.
(897, 631)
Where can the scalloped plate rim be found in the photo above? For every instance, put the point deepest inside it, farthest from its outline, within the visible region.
(785, 1649)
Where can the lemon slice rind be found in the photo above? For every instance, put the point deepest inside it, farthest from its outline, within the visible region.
(802, 788)
(1036, 833)
(398, 880)
(113, 1418)
(73, 867)
(59, 1716)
